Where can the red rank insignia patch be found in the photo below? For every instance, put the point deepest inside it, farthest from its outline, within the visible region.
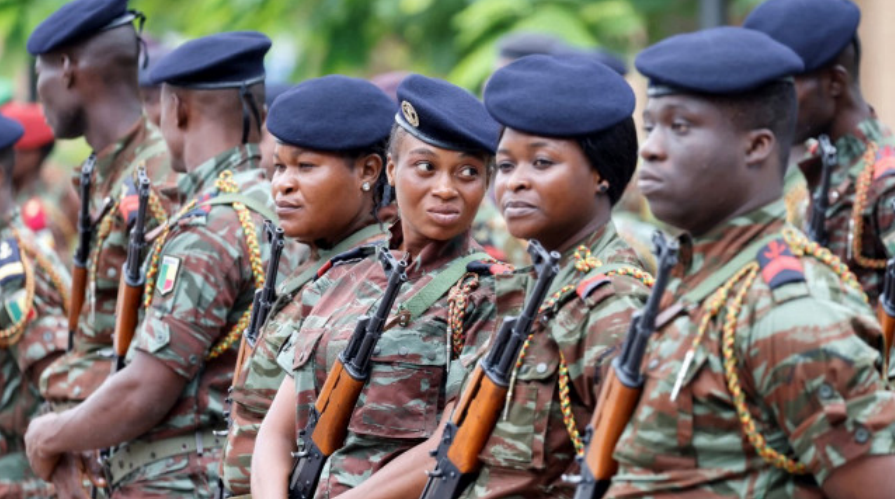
(33, 215)
(885, 162)
(587, 286)
(778, 265)
(130, 201)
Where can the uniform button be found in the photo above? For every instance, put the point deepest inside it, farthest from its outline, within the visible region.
(826, 391)
(653, 364)
(862, 435)
(377, 351)
(403, 351)
(431, 356)
(541, 368)
(76, 391)
(834, 196)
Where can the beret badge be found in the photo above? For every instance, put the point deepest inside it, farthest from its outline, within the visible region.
(410, 114)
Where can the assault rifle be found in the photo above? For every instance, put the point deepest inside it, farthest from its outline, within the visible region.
(817, 230)
(622, 386)
(267, 295)
(130, 289)
(471, 424)
(82, 254)
(328, 423)
(886, 314)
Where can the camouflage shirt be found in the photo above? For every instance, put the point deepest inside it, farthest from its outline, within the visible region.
(871, 145)
(79, 373)
(811, 384)
(530, 449)
(261, 376)
(44, 334)
(205, 284)
(414, 371)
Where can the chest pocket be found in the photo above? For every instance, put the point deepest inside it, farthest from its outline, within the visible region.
(518, 441)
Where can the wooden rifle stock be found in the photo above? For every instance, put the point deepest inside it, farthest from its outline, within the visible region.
(479, 407)
(328, 422)
(621, 389)
(82, 254)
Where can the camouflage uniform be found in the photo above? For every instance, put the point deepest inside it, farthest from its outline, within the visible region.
(530, 449)
(78, 373)
(414, 370)
(204, 287)
(43, 336)
(811, 384)
(44, 208)
(261, 376)
(870, 147)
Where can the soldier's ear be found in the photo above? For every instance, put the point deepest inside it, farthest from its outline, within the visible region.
(68, 71)
(760, 144)
(181, 110)
(390, 170)
(370, 167)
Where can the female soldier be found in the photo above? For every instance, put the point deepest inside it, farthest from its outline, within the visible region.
(439, 157)
(338, 154)
(567, 152)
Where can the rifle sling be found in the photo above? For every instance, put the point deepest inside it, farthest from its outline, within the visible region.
(417, 305)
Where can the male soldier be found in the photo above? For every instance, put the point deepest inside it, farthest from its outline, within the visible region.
(87, 53)
(757, 381)
(860, 220)
(33, 288)
(204, 267)
(48, 202)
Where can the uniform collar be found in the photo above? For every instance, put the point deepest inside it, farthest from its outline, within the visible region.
(434, 255)
(237, 159)
(107, 162)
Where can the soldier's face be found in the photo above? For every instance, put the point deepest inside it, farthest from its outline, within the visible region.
(817, 108)
(318, 195)
(438, 191)
(545, 187)
(55, 87)
(692, 167)
(169, 125)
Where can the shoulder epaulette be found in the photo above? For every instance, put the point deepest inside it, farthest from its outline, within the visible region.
(11, 266)
(351, 256)
(884, 165)
(778, 265)
(130, 201)
(588, 285)
(201, 209)
(489, 267)
(33, 215)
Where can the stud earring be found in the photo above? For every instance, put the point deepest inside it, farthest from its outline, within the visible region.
(365, 187)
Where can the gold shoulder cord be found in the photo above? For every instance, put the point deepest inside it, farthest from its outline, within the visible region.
(857, 220)
(225, 184)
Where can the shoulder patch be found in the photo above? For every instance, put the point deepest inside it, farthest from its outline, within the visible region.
(33, 215)
(489, 267)
(200, 210)
(778, 265)
(351, 256)
(885, 163)
(11, 266)
(167, 275)
(130, 201)
(587, 286)
(17, 305)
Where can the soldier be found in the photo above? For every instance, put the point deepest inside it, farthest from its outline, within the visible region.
(757, 381)
(338, 154)
(203, 269)
(860, 221)
(87, 53)
(33, 289)
(48, 202)
(565, 157)
(149, 92)
(439, 156)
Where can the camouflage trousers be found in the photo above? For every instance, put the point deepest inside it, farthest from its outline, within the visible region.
(17, 480)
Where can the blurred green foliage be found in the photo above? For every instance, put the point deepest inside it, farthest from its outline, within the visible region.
(447, 38)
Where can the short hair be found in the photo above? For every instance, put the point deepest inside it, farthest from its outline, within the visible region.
(613, 154)
(773, 106)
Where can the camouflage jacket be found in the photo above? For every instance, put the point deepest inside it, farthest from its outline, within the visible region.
(530, 449)
(257, 383)
(49, 209)
(810, 383)
(869, 147)
(414, 369)
(202, 283)
(79, 373)
(31, 331)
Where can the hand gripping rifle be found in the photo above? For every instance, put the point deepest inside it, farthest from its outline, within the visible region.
(817, 230)
(82, 254)
(471, 424)
(329, 418)
(622, 386)
(130, 290)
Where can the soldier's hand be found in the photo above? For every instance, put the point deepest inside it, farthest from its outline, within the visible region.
(42, 461)
(68, 479)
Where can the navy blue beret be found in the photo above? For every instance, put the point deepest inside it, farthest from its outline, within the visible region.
(817, 30)
(78, 20)
(274, 89)
(558, 96)
(445, 115)
(725, 60)
(10, 132)
(615, 62)
(332, 113)
(222, 60)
